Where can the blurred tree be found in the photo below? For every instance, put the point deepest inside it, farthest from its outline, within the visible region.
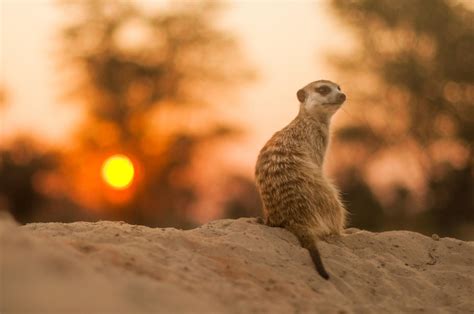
(242, 199)
(30, 188)
(412, 76)
(143, 76)
(21, 165)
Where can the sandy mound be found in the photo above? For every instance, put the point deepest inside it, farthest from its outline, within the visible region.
(227, 266)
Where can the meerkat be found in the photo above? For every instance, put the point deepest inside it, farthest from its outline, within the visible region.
(296, 194)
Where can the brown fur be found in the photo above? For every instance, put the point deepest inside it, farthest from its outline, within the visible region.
(295, 193)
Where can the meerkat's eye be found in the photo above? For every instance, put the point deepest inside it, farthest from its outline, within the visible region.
(323, 90)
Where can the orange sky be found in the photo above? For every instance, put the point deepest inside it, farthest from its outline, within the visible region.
(285, 40)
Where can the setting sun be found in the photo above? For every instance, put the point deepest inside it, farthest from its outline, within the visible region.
(118, 171)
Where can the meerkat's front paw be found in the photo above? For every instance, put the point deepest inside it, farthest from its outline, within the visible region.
(350, 231)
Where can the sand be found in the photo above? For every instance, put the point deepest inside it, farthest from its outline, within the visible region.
(227, 266)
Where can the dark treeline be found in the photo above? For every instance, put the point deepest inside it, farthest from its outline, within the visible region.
(413, 83)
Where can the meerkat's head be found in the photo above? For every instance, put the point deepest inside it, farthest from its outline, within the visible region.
(321, 98)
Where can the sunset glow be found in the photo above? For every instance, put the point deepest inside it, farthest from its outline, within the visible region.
(118, 172)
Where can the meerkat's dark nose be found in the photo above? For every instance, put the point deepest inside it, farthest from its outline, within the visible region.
(341, 97)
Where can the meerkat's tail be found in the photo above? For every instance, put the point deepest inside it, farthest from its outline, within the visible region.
(308, 241)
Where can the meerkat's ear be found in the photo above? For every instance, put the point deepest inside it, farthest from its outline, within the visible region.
(301, 94)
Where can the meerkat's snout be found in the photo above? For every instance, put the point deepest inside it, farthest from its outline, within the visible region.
(341, 98)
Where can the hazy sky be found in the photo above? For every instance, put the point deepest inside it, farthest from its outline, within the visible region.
(285, 40)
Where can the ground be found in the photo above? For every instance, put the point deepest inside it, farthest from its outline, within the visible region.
(227, 266)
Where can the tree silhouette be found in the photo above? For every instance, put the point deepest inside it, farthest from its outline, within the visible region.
(412, 78)
(22, 164)
(145, 78)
